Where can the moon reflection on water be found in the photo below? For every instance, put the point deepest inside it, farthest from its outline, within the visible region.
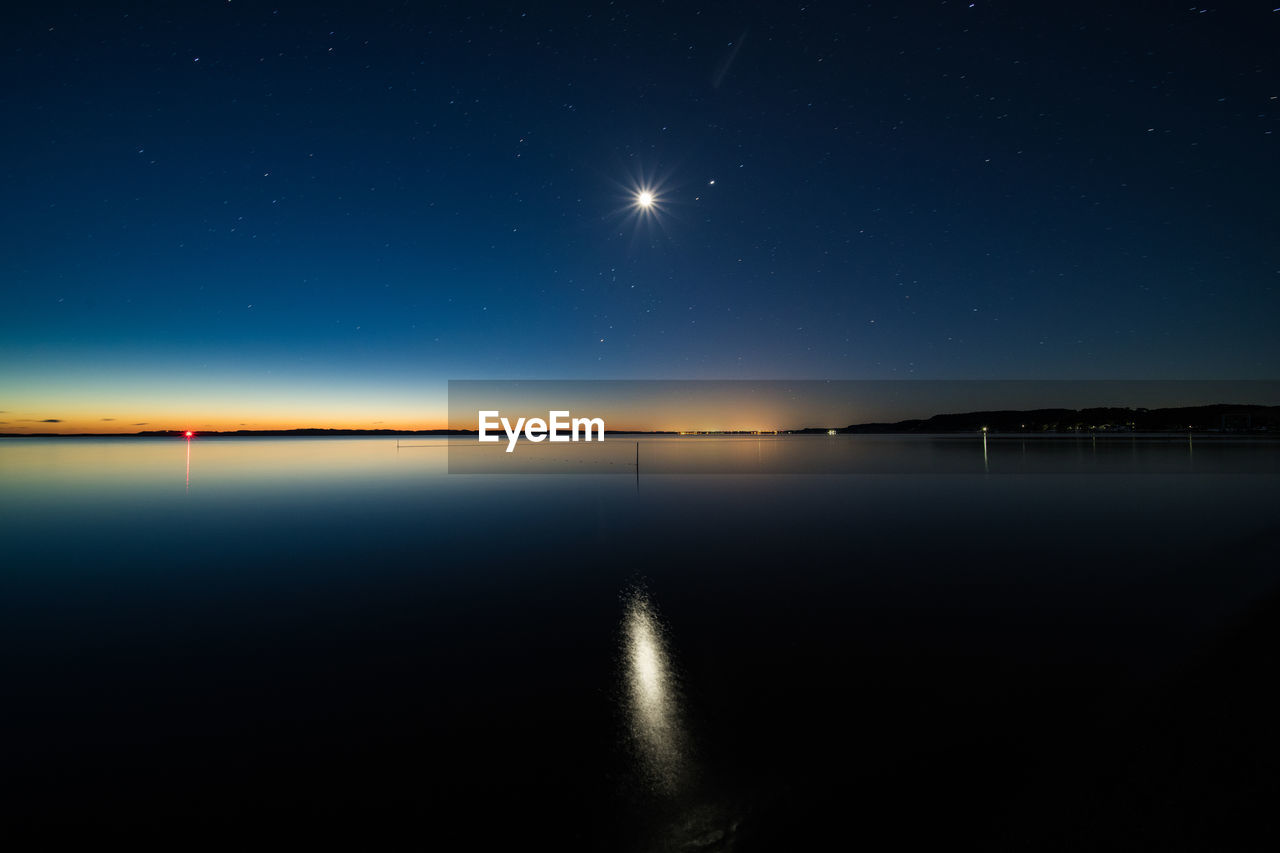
(653, 712)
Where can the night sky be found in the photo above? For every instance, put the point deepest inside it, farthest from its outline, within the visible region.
(221, 213)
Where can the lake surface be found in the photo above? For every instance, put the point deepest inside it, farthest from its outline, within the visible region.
(1054, 642)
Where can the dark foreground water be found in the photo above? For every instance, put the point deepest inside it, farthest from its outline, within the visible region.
(307, 640)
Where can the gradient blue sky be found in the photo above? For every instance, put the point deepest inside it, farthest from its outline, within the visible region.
(222, 214)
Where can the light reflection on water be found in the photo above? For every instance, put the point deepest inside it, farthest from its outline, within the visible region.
(980, 453)
(314, 580)
(685, 809)
(652, 695)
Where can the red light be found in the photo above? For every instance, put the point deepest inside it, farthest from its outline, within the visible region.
(190, 433)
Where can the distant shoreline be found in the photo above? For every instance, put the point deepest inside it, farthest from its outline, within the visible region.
(1109, 437)
(1236, 420)
(287, 433)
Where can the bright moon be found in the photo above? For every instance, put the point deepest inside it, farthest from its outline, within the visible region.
(645, 199)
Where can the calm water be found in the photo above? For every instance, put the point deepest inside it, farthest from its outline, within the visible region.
(318, 636)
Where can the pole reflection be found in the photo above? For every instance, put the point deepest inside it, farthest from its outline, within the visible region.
(653, 706)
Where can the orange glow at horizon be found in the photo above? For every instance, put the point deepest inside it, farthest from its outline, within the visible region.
(670, 421)
(207, 424)
(673, 407)
(701, 415)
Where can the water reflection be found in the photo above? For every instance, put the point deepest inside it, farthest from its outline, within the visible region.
(653, 706)
(188, 463)
(737, 755)
(686, 809)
